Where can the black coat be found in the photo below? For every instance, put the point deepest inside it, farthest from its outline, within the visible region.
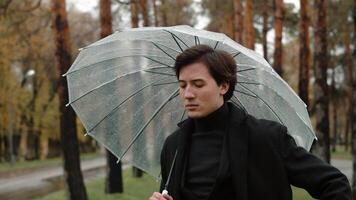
(264, 162)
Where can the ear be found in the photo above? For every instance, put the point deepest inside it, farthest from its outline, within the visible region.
(224, 87)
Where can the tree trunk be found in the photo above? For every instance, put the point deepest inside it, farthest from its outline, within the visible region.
(278, 27)
(164, 13)
(23, 144)
(334, 111)
(353, 107)
(155, 12)
(69, 140)
(114, 183)
(348, 63)
(248, 25)
(238, 21)
(304, 52)
(43, 146)
(146, 18)
(134, 13)
(321, 60)
(265, 30)
(105, 18)
(347, 129)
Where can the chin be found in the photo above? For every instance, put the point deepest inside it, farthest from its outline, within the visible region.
(195, 115)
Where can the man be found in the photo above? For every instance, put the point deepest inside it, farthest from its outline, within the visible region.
(220, 152)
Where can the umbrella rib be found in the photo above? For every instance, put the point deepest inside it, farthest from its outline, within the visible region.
(236, 54)
(242, 70)
(162, 73)
(216, 44)
(165, 83)
(175, 37)
(264, 103)
(124, 101)
(244, 82)
(245, 93)
(242, 106)
(103, 84)
(157, 61)
(99, 62)
(163, 51)
(196, 39)
(146, 124)
(248, 83)
(177, 43)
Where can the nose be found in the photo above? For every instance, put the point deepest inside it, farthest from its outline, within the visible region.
(188, 93)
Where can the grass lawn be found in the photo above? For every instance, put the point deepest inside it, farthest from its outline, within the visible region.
(136, 189)
(341, 153)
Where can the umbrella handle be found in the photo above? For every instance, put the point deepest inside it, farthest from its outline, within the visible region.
(165, 192)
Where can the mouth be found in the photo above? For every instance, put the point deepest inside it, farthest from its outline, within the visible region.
(191, 106)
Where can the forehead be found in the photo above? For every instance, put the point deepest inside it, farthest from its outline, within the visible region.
(195, 71)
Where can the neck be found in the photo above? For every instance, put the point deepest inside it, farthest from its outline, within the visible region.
(214, 121)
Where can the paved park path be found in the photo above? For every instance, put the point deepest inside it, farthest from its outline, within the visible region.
(44, 181)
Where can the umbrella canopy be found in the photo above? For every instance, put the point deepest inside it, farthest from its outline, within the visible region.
(124, 90)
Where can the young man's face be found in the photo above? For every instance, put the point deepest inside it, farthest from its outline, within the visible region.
(199, 91)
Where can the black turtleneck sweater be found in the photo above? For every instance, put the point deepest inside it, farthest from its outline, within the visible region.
(205, 153)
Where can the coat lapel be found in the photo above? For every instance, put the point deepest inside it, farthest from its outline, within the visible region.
(238, 151)
(186, 128)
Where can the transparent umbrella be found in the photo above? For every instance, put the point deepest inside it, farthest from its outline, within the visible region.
(124, 90)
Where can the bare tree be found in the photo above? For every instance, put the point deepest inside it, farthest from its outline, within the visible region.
(304, 52)
(134, 13)
(353, 107)
(321, 59)
(144, 11)
(265, 9)
(163, 11)
(278, 27)
(348, 63)
(69, 141)
(113, 182)
(238, 21)
(248, 25)
(155, 12)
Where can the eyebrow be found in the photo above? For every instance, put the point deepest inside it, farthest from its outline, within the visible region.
(194, 80)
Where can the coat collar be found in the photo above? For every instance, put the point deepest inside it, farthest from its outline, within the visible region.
(237, 145)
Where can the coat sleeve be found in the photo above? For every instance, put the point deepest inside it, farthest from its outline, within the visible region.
(307, 171)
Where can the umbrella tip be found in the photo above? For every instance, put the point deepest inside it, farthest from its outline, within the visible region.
(67, 104)
(65, 74)
(118, 160)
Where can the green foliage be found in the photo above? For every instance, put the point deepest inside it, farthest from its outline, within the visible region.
(220, 13)
(28, 102)
(170, 16)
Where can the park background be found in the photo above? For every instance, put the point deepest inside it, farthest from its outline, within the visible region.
(311, 44)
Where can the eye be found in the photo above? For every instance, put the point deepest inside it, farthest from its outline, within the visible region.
(199, 84)
(182, 85)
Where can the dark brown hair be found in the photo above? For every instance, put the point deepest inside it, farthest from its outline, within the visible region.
(221, 65)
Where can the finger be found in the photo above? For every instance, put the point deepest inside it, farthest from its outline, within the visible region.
(156, 196)
(167, 197)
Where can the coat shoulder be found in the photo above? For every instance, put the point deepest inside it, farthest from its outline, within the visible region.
(262, 130)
